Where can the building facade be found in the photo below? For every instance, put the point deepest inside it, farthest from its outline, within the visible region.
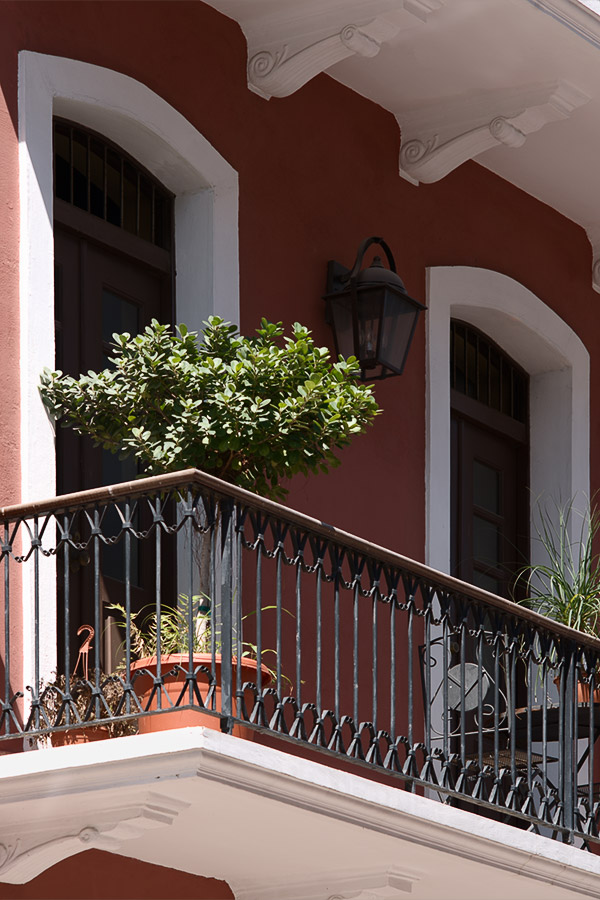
(182, 159)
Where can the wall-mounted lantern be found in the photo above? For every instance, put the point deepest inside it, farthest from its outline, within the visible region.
(372, 316)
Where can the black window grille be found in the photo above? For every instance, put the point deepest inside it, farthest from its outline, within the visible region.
(481, 370)
(96, 176)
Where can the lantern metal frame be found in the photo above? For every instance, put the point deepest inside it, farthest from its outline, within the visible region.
(341, 280)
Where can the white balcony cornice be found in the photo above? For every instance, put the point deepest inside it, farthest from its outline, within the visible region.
(145, 797)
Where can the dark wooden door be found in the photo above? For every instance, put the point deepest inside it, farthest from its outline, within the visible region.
(489, 500)
(100, 291)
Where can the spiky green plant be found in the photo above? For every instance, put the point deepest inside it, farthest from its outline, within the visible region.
(566, 587)
(174, 627)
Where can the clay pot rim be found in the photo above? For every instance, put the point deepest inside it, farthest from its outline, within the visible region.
(148, 662)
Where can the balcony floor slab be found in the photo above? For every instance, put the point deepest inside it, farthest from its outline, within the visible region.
(271, 824)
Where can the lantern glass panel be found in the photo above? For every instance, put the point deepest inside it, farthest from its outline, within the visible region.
(340, 310)
(398, 321)
(370, 301)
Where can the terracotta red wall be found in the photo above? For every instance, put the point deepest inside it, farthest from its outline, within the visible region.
(97, 875)
(318, 172)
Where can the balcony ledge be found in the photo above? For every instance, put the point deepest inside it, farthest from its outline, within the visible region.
(271, 824)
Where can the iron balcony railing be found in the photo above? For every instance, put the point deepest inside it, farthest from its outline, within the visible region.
(181, 599)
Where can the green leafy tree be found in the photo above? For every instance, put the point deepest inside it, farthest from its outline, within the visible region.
(253, 411)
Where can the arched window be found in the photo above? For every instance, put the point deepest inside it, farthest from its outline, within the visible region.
(489, 461)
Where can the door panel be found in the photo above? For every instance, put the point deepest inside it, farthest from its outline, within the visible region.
(489, 488)
(99, 292)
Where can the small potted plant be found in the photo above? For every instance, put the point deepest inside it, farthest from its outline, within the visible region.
(53, 710)
(566, 587)
(174, 658)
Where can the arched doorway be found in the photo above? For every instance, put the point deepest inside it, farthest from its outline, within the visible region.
(557, 363)
(113, 265)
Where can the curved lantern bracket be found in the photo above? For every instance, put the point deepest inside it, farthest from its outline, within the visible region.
(364, 246)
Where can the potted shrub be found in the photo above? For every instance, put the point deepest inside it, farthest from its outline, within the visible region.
(251, 410)
(175, 662)
(566, 587)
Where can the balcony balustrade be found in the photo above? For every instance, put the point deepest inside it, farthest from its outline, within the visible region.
(238, 613)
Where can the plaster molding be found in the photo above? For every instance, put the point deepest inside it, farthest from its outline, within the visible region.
(575, 15)
(593, 233)
(368, 884)
(25, 854)
(277, 72)
(439, 138)
(286, 62)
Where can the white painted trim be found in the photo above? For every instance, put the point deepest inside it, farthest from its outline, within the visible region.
(210, 773)
(206, 231)
(559, 368)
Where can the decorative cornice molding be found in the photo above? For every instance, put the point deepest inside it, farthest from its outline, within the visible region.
(26, 855)
(439, 138)
(282, 66)
(593, 233)
(576, 16)
(369, 884)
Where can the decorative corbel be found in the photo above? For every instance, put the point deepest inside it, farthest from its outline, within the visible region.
(439, 138)
(278, 73)
(35, 846)
(285, 65)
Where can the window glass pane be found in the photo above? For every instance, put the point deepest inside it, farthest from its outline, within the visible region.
(506, 389)
(113, 188)
(483, 351)
(486, 542)
(487, 582)
(162, 223)
(519, 397)
(460, 382)
(486, 487)
(97, 178)
(62, 162)
(482, 371)
(494, 379)
(129, 198)
(80, 170)
(118, 315)
(145, 223)
(471, 364)
(100, 179)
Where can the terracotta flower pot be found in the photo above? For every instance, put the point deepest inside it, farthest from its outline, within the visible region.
(583, 691)
(173, 685)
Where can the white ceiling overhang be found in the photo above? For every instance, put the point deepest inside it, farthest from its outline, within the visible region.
(514, 84)
(273, 825)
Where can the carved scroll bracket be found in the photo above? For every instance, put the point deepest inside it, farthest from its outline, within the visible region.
(282, 66)
(438, 139)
